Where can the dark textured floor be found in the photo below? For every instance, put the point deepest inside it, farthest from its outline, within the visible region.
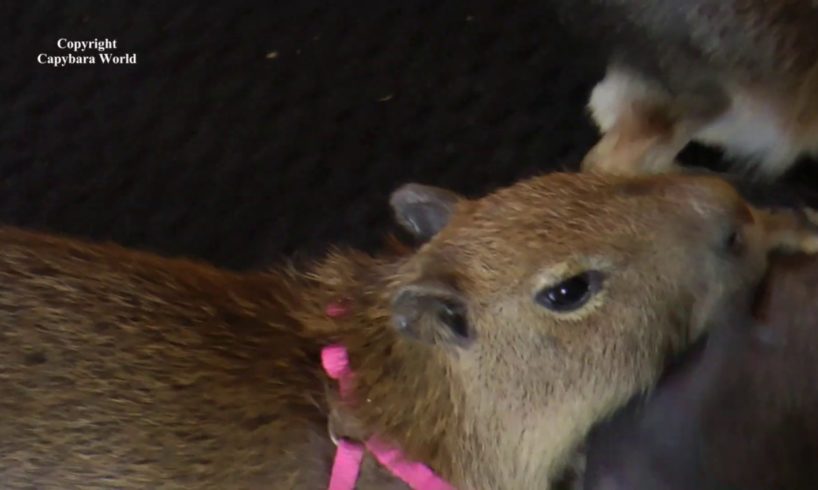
(252, 130)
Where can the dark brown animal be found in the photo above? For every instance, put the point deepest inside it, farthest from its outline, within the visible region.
(742, 412)
(738, 74)
(529, 315)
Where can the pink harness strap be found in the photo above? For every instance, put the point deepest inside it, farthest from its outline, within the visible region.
(347, 466)
(349, 455)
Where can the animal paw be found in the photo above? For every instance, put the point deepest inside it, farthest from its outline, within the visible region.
(791, 230)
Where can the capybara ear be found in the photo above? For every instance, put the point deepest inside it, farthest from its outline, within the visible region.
(432, 311)
(423, 210)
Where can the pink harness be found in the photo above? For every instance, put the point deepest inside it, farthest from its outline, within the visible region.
(349, 455)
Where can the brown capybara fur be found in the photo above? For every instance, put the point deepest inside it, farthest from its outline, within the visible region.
(741, 75)
(488, 354)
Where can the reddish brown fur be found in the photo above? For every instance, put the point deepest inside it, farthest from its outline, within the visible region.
(119, 369)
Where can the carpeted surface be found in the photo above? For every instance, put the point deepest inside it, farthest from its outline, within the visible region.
(251, 130)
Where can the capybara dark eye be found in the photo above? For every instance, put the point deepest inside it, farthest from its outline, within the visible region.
(572, 293)
(455, 319)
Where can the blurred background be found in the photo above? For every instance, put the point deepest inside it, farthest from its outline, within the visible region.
(251, 131)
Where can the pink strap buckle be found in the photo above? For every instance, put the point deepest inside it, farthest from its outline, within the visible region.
(349, 456)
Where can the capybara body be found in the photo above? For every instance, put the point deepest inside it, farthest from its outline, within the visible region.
(524, 318)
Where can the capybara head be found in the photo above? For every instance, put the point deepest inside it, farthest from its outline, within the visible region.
(553, 301)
